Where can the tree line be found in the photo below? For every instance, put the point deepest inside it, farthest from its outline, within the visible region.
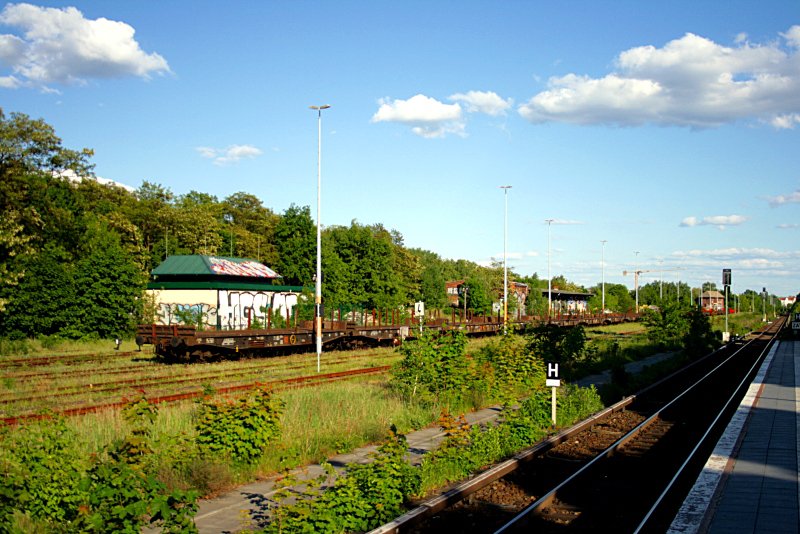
(75, 254)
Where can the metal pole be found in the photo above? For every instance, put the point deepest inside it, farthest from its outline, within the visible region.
(603, 275)
(505, 189)
(549, 276)
(636, 278)
(318, 281)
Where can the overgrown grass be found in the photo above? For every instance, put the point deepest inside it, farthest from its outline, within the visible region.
(739, 324)
(52, 345)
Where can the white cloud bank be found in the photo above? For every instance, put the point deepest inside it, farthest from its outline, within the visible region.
(791, 198)
(691, 81)
(427, 116)
(486, 102)
(720, 221)
(430, 118)
(60, 46)
(229, 155)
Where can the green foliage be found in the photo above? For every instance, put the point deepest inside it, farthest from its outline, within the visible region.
(434, 367)
(699, 338)
(478, 299)
(575, 403)
(466, 449)
(45, 484)
(508, 366)
(559, 344)
(296, 246)
(42, 473)
(239, 429)
(367, 496)
(667, 324)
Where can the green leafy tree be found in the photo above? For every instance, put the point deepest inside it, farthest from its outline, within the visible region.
(44, 301)
(296, 246)
(30, 155)
(108, 284)
(478, 299)
(624, 301)
(667, 323)
(560, 344)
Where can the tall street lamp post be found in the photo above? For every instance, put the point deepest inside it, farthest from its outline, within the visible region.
(505, 189)
(603, 274)
(549, 277)
(636, 278)
(318, 281)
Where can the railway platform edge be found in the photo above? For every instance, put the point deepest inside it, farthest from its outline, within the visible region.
(751, 481)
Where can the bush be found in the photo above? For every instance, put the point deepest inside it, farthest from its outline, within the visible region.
(239, 430)
(367, 496)
(435, 368)
(46, 487)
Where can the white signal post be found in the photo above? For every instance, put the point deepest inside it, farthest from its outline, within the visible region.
(553, 382)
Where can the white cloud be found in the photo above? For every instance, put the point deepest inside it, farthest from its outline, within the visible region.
(788, 226)
(737, 252)
(565, 221)
(487, 102)
(231, 154)
(61, 46)
(70, 175)
(720, 221)
(691, 81)
(9, 82)
(791, 198)
(786, 122)
(427, 116)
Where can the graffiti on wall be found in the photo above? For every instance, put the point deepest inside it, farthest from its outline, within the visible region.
(236, 310)
(175, 313)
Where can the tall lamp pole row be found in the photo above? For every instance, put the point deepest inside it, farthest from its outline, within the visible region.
(549, 277)
(318, 281)
(603, 275)
(505, 189)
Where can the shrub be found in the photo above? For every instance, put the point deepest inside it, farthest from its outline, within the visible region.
(46, 487)
(434, 368)
(239, 429)
(367, 496)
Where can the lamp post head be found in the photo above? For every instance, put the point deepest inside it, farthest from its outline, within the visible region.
(320, 108)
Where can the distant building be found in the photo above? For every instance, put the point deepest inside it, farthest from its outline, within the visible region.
(568, 301)
(519, 291)
(226, 293)
(454, 290)
(788, 301)
(712, 300)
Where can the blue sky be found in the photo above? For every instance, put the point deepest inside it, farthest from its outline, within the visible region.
(667, 128)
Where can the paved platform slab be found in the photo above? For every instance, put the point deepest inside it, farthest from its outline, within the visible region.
(750, 484)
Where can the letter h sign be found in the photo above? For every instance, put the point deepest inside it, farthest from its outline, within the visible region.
(552, 375)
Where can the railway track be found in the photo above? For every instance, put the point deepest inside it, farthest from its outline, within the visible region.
(300, 381)
(626, 470)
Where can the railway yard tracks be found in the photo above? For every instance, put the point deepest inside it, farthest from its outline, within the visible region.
(627, 469)
(77, 384)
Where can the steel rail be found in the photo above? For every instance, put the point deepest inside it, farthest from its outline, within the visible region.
(548, 498)
(287, 383)
(735, 395)
(466, 488)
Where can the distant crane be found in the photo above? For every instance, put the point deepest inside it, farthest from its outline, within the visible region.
(636, 274)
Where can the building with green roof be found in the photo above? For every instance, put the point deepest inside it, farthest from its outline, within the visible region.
(223, 292)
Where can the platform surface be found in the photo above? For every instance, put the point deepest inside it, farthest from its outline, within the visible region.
(750, 483)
